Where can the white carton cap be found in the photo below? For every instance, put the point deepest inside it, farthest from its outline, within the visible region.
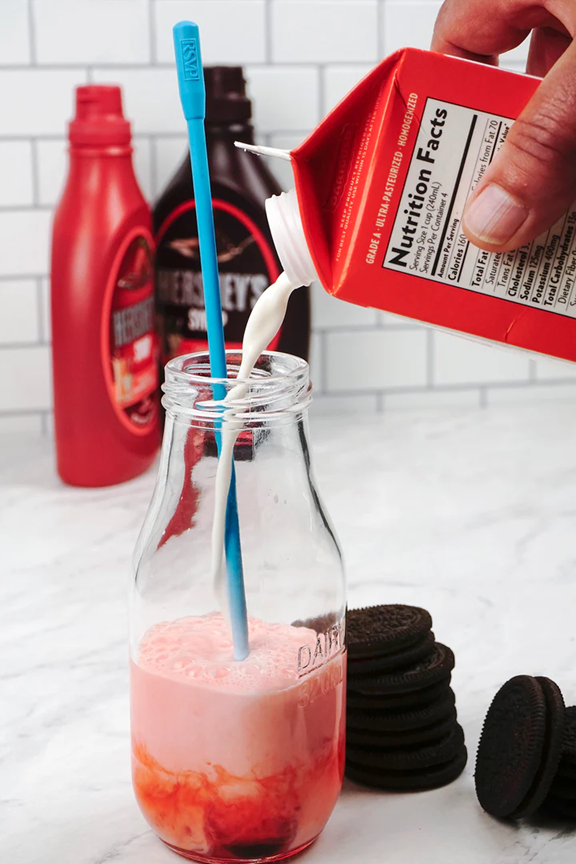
(287, 232)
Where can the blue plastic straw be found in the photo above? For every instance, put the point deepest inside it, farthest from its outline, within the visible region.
(193, 99)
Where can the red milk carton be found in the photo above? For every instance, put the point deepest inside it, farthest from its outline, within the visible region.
(381, 186)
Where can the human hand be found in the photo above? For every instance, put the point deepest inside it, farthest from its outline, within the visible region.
(532, 179)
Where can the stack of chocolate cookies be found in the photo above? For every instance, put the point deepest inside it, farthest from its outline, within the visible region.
(402, 732)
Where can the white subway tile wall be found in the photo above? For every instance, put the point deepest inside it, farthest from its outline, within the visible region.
(168, 154)
(324, 31)
(16, 187)
(233, 31)
(25, 384)
(369, 359)
(338, 80)
(286, 98)
(408, 22)
(301, 57)
(21, 326)
(68, 32)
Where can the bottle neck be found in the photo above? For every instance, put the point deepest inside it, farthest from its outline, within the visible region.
(230, 131)
(101, 165)
(91, 151)
(278, 393)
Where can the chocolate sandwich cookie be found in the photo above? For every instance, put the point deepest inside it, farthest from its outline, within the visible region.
(434, 668)
(561, 807)
(417, 780)
(410, 758)
(567, 771)
(396, 721)
(375, 631)
(358, 668)
(400, 701)
(368, 739)
(569, 739)
(519, 747)
(564, 787)
(552, 751)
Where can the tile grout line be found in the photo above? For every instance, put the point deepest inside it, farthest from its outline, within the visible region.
(448, 388)
(40, 310)
(20, 277)
(36, 205)
(176, 133)
(24, 412)
(27, 208)
(22, 346)
(153, 167)
(151, 33)
(32, 33)
(430, 358)
(166, 65)
(323, 364)
(268, 32)
(380, 20)
(321, 91)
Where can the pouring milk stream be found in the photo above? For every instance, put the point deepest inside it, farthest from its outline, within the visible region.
(263, 324)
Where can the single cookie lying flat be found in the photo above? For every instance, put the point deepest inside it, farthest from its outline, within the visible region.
(434, 668)
(392, 662)
(378, 630)
(412, 758)
(367, 738)
(408, 781)
(397, 721)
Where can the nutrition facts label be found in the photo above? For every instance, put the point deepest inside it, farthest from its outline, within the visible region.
(454, 148)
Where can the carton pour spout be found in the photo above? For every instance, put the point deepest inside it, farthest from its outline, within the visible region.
(264, 151)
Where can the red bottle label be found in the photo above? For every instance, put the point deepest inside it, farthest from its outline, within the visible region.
(247, 266)
(132, 345)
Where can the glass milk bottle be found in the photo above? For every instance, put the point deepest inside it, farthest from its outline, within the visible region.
(238, 760)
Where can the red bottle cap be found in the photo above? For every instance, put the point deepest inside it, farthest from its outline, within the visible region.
(99, 118)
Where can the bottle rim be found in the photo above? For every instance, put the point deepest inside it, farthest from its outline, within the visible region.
(278, 389)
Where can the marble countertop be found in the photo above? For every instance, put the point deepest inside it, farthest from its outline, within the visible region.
(468, 513)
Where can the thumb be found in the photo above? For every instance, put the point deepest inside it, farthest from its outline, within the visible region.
(532, 179)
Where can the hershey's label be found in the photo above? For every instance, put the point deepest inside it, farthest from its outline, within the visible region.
(132, 322)
(238, 291)
(246, 262)
(454, 147)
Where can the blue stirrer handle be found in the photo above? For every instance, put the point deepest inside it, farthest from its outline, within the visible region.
(193, 99)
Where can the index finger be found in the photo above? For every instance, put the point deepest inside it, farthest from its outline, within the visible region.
(484, 29)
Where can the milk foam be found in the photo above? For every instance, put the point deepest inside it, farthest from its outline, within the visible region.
(197, 650)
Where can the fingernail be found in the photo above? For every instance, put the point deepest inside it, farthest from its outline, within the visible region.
(495, 216)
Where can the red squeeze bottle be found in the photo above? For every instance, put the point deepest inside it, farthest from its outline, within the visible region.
(104, 344)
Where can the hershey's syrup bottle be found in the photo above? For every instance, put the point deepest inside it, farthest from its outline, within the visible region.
(247, 259)
(104, 348)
